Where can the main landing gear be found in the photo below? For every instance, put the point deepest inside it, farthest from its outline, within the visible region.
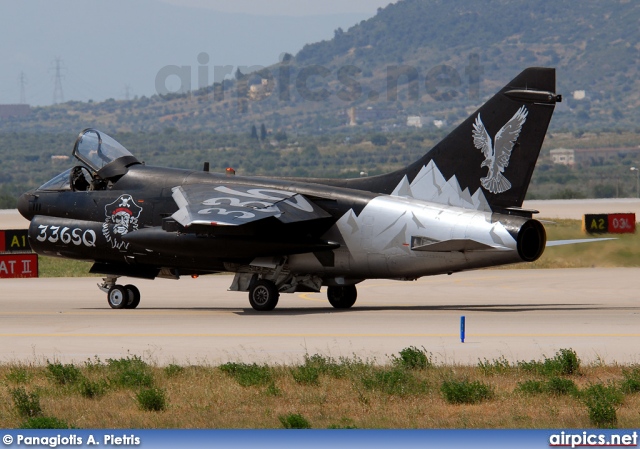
(342, 297)
(119, 296)
(264, 295)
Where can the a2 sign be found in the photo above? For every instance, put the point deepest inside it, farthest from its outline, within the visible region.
(16, 258)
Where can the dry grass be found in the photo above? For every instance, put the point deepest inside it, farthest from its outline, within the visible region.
(207, 397)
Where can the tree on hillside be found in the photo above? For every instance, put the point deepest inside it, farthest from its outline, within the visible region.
(263, 132)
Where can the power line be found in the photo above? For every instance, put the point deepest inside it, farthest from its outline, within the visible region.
(58, 94)
(23, 82)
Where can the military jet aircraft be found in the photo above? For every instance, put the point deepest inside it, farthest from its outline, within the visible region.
(457, 208)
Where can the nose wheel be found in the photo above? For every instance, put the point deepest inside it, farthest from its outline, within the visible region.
(119, 296)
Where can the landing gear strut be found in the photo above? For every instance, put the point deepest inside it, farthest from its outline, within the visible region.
(263, 295)
(342, 297)
(118, 296)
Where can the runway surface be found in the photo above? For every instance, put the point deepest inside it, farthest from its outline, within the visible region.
(518, 314)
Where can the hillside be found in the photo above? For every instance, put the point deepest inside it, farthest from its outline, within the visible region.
(445, 59)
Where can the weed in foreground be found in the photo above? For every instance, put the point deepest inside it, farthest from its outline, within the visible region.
(273, 390)
(307, 374)
(248, 375)
(294, 421)
(531, 387)
(495, 366)
(602, 402)
(130, 372)
(45, 422)
(27, 404)
(565, 363)
(560, 386)
(556, 386)
(152, 399)
(17, 375)
(631, 382)
(465, 392)
(413, 358)
(173, 370)
(61, 374)
(92, 389)
(394, 381)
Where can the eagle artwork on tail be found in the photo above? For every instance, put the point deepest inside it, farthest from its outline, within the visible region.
(497, 155)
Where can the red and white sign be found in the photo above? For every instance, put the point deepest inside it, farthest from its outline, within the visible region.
(622, 223)
(18, 266)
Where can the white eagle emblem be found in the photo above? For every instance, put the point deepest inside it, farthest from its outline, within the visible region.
(497, 155)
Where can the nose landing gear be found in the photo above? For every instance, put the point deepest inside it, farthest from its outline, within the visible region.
(118, 296)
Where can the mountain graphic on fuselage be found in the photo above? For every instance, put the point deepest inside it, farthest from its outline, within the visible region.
(430, 185)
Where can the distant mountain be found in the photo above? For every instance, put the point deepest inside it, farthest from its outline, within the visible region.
(431, 58)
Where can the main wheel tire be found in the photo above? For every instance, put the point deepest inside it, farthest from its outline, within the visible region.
(133, 295)
(118, 297)
(263, 296)
(342, 297)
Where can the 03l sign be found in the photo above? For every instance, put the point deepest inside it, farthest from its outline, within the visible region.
(18, 266)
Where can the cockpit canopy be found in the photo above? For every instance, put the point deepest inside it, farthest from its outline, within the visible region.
(102, 154)
(103, 159)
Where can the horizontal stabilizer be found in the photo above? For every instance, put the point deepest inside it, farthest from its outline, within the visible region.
(237, 205)
(445, 246)
(571, 242)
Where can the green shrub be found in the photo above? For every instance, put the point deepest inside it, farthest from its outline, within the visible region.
(90, 389)
(27, 404)
(465, 392)
(496, 366)
(602, 402)
(152, 399)
(94, 365)
(173, 370)
(531, 387)
(631, 382)
(413, 358)
(130, 372)
(565, 363)
(327, 365)
(45, 422)
(560, 387)
(63, 374)
(17, 375)
(272, 390)
(394, 381)
(248, 375)
(294, 421)
(306, 374)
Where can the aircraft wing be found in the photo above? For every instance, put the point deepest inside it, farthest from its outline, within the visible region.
(237, 205)
(572, 242)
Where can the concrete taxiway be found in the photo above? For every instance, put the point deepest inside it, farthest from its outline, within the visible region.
(518, 314)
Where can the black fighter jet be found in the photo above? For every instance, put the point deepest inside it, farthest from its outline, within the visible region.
(457, 208)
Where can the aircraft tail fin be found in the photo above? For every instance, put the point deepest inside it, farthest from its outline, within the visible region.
(486, 163)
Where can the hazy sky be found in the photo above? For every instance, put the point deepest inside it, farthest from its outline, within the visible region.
(117, 48)
(287, 7)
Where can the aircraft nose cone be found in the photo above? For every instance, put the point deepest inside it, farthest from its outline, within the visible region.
(23, 206)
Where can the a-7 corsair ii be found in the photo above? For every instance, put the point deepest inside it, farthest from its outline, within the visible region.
(457, 208)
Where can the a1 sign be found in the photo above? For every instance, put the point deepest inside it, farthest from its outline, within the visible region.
(622, 223)
(18, 266)
(15, 241)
